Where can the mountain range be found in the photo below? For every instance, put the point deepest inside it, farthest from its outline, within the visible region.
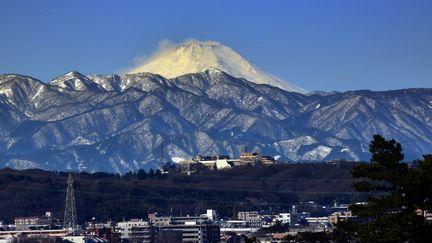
(118, 123)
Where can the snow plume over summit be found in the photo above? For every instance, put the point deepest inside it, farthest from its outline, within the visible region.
(192, 56)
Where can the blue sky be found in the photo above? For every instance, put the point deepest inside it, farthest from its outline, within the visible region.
(318, 45)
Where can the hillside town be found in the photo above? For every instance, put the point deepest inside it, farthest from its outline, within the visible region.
(207, 227)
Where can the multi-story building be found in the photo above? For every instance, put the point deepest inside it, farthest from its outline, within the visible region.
(247, 215)
(292, 218)
(212, 162)
(252, 218)
(284, 218)
(317, 220)
(236, 227)
(189, 228)
(249, 157)
(103, 231)
(136, 231)
(223, 161)
(34, 222)
(170, 220)
(194, 231)
(217, 162)
(211, 214)
(255, 158)
(33, 233)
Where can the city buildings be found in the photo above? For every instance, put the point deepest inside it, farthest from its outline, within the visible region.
(203, 228)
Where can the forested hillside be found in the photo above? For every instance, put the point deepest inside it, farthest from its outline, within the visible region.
(110, 196)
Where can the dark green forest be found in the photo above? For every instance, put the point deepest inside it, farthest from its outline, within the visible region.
(111, 196)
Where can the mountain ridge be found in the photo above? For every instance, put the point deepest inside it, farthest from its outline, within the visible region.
(121, 124)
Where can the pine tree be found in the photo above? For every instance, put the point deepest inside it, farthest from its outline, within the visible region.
(141, 174)
(397, 193)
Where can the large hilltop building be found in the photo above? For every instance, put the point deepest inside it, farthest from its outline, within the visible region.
(224, 162)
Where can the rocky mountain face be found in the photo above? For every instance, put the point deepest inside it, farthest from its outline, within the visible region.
(121, 123)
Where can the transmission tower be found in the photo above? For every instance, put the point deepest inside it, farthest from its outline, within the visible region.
(70, 215)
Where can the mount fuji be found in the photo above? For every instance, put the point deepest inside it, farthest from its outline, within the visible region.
(195, 56)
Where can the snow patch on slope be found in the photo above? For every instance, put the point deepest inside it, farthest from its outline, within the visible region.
(317, 154)
(6, 92)
(22, 164)
(74, 81)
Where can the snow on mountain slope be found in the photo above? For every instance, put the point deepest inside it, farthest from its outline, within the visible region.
(194, 56)
(119, 123)
(74, 81)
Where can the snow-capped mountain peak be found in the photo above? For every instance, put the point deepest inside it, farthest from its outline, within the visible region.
(195, 56)
(74, 81)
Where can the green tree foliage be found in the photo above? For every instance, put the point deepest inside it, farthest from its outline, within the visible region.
(398, 193)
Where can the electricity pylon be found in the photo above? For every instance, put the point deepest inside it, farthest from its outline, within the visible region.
(70, 215)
